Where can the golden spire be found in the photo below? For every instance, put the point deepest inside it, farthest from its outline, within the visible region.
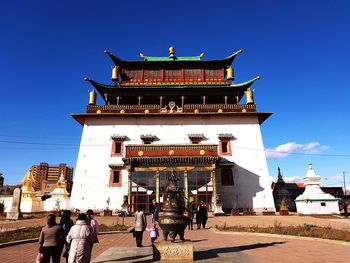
(28, 182)
(61, 183)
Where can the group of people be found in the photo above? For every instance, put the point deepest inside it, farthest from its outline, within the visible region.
(72, 241)
(200, 212)
(141, 225)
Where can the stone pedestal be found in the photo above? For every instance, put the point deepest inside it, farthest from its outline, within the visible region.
(218, 210)
(173, 251)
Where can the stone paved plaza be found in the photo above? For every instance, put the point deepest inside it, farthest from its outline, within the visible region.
(213, 246)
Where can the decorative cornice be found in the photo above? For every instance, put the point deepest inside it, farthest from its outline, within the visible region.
(119, 138)
(196, 137)
(116, 165)
(148, 138)
(226, 136)
(223, 162)
(170, 161)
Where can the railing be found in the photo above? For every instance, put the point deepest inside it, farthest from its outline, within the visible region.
(155, 108)
(172, 150)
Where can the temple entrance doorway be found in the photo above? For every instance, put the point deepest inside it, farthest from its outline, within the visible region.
(145, 188)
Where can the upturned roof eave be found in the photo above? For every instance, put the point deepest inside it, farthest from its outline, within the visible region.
(189, 63)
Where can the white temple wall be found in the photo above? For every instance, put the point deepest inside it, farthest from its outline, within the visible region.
(7, 201)
(91, 181)
(315, 207)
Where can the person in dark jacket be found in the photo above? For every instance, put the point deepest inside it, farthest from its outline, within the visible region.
(191, 210)
(204, 214)
(51, 240)
(66, 224)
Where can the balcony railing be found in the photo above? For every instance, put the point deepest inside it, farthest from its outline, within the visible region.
(171, 150)
(155, 108)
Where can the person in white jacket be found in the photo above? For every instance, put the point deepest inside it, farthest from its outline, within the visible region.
(140, 225)
(80, 238)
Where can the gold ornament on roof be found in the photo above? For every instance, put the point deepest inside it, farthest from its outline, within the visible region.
(140, 153)
(229, 73)
(115, 74)
(249, 96)
(142, 55)
(171, 52)
(202, 152)
(171, 152)
(92, 97)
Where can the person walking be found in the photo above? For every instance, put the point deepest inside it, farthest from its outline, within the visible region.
(204, 214)
(198, 217)
(140, 225)
(66, 223)
(154, 233)
(94, 225)
(154, 210)
(191, 210)
(80, 238)
(50, 240)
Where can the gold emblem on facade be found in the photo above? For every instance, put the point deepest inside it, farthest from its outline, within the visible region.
(220, 111)
(140, 153)
(171, 152)
(244, 110)
(98, 111)
(146, 111)
(196, 111)
(201, 152)
(122, 111)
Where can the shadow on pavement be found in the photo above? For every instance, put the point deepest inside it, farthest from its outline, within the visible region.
(199, 240)
(214, 253)
(127, 259)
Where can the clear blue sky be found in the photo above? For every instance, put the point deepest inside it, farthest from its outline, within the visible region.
(299, 48)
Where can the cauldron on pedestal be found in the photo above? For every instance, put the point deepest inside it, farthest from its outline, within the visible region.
(172, 220)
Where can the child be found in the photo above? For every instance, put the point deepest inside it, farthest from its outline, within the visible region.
(153, 232)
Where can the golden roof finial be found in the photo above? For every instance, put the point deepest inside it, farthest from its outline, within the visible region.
(201, 55)
(171, 51)
(142, 55)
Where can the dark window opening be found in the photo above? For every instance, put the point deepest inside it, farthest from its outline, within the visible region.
(115, 179)
(224, 147)
(118, 148)
(227, 176)
(323, 204)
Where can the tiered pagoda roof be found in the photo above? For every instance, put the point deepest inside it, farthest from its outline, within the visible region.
(178, 85)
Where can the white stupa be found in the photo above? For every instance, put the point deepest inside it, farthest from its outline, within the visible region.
(314, 200)
(59, 196)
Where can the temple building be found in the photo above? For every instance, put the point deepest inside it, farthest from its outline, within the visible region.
(165, 114)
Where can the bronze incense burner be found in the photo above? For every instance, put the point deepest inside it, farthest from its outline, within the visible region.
(172, 220)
